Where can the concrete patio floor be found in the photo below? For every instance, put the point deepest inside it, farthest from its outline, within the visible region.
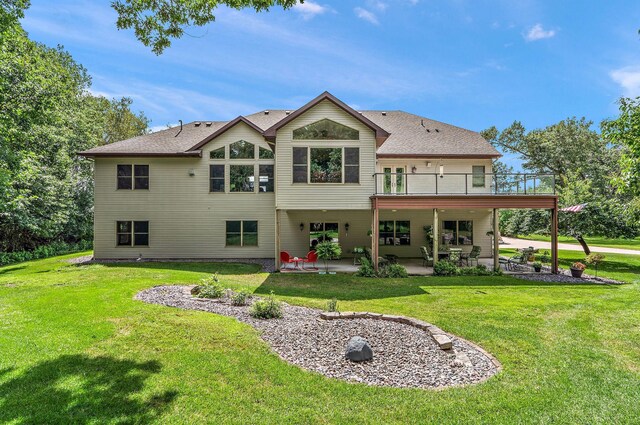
(413, 265)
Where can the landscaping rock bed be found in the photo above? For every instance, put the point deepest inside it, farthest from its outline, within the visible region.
(404, 355)
(564, 276)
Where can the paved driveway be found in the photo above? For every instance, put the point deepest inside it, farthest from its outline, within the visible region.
(524, 243)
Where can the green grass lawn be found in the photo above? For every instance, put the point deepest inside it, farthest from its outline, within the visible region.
(76, 347)
(591, 241)
(622, 267)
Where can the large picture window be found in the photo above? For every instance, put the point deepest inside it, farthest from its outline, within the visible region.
(457, 232)
(326, 165)
(323, 232)
(132, 233)
(326, 129)
(133, 176)
(216, 178)
(242, 233)
(241, 178)
(242, 150)
(394, 232)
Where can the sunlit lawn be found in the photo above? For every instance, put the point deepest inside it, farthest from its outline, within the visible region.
(592, 241)
(76, 347)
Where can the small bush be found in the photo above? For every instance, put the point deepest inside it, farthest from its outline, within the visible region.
(445, 268)
(332, 305)
(210, 287)
(395, 271)
(268, 308)
(366, 268)
(240, 297)
(479, 270)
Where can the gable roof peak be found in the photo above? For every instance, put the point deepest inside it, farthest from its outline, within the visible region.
(381, 134)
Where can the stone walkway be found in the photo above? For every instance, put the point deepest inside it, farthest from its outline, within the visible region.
(525, 243)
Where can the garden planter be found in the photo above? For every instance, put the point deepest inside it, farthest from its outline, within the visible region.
(576, 272)
(537, 269)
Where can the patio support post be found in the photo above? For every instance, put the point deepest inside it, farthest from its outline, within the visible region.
(277, 239)
(436, 236)
(375, 238)
(496, 240)
(554, 238)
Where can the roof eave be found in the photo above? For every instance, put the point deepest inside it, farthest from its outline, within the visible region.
(187, 154)
(436, 156)
(223, 129)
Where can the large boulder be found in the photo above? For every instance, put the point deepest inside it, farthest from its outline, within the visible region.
(358, 350)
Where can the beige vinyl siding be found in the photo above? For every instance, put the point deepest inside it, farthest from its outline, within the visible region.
(324, 195)
(185, 219)
(420, 218)
(297, 243)
(449, 184)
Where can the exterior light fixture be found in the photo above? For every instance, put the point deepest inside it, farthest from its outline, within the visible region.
(428, 164)
(414, 169)
(301, 227)
(192, 172)
(346, 228)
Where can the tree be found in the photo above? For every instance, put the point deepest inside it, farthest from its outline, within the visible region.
(624, 132)
(156, 22)
(47, 115)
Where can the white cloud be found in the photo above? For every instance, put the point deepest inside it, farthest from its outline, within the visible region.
(309, 9)
(537, 32)
(366, 15)
(628, 78)
(378, 5)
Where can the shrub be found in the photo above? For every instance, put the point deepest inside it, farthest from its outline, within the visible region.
(240, 297)
(332, 305)
(594, 259)
(44, 251)
(328, 250)
(395, 271)
(545, 257)
(479, 270)
(366, 268)
(210, 287)
(445, 268)
(268, 308)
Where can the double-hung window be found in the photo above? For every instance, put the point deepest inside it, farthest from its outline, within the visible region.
(132, 233)
(242, 233)
(216, 178)
(478, 176)
(133, 176)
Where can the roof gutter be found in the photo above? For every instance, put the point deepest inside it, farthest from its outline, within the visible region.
(188, 154)
(437, 156)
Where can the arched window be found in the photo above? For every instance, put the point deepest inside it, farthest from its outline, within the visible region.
(242, 150)
(325, 129)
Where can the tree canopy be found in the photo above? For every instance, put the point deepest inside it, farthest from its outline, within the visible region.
(47, 115)
(157, 22)
(586, 166)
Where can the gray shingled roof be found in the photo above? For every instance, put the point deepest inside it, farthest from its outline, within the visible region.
(409, 136)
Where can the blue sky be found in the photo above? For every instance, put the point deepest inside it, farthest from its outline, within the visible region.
(468, 63)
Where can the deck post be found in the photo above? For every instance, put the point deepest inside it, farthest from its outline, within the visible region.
(436, 235)
(496, 240)
(554, 238)
(375, 238)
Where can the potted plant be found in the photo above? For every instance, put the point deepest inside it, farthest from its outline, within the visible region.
(577, 269)
(537, 266)
(594, 259)
(326, 251)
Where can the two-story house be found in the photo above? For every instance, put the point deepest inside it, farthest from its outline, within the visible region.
(286, 180)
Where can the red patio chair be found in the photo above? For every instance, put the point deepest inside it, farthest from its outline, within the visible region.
(285, 258)
(311, 258)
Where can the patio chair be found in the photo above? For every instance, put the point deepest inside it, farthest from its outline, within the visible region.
(455, 255)
(285, 258)
(474, 255)
(311, 258)
(427, 258)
